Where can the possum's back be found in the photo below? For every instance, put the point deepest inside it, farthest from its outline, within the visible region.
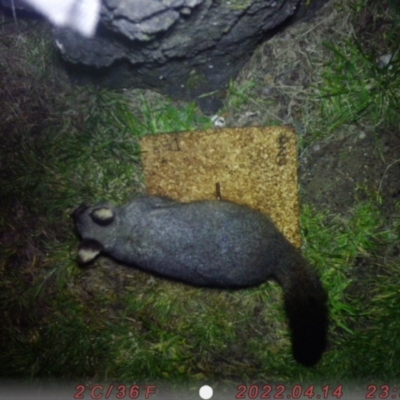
(214, 243)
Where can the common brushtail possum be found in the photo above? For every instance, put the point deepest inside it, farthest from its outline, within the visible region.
(211, 244)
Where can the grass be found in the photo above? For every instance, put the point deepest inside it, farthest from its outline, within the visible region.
(63, 146)
(169, 331)
(358, 279)
(85, 149)
(240, 94)
(362, 80)
(357, 85)
(67, 322)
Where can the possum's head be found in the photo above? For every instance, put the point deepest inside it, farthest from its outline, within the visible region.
(95, 225)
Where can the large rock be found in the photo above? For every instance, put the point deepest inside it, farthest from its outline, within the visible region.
(188, 49)
(184, 48)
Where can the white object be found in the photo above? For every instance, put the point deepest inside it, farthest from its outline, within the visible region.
(218, 121)
(79, 15)
(206, 392)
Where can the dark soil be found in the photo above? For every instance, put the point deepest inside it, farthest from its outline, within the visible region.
(331, 173)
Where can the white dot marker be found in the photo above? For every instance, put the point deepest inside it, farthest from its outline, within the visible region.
(206, 392)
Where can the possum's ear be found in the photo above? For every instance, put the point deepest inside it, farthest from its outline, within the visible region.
(102, 215)
(88, 250)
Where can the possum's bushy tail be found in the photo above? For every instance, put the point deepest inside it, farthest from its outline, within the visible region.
(306, 307)
(308, 322)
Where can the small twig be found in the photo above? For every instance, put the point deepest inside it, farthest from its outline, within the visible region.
(14, 13)
(380, 184)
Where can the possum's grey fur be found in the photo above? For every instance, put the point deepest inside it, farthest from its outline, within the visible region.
(211, 244)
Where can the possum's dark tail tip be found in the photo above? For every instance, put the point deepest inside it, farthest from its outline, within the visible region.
(308, 320)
